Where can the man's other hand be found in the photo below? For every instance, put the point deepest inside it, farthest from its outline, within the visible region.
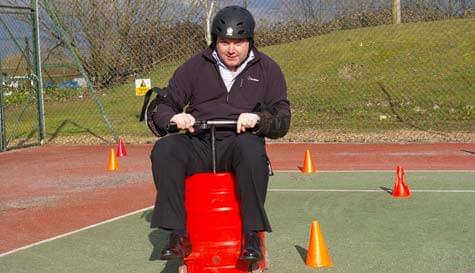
(246, 121)
(184, 121)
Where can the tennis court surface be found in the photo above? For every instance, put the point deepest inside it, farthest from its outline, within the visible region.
(61, 211)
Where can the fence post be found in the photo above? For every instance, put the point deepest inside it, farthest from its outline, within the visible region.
(38, 77)
(396, 11)
(3, 145)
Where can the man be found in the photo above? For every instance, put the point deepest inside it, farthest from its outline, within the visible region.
(230, 80)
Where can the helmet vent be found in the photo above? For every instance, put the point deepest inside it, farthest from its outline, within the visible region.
(222, 22)
(239, 24)
(241, 31)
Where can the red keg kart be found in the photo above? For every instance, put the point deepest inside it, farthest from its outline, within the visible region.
(213, 220)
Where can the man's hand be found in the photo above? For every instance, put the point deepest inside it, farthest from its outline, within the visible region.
(184, 121)
(246, 121)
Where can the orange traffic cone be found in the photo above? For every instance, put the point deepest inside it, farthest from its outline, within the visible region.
(401, 188)
(308, 165)
(113, 162)
(121, 148)
(317, 255)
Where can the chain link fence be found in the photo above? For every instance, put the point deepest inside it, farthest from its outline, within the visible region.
(396, 69)
(20, 121)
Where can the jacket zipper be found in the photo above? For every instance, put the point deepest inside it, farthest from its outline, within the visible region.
(222, 81)
(238, 77)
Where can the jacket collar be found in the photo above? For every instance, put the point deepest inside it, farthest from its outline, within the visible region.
(208, 54)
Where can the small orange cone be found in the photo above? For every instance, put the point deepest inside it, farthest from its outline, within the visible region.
(113, 162)
(308, 165)
(317, 255)
(121, 148)
(401, 188)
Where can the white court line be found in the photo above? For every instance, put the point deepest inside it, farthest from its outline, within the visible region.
(378, 171)
(368, 190)
(74, 231)
(271, 190)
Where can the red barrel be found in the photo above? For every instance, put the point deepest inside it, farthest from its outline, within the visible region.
(214, 223)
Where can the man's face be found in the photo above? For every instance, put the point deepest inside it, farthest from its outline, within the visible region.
(232, 51)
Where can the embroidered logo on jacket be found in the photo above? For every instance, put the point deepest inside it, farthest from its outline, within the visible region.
(249, 78)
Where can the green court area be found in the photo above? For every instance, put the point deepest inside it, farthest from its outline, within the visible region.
(365, 229)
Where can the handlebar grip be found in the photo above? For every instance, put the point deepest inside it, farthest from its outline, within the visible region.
(172, 127)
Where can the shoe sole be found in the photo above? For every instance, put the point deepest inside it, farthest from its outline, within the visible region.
(172, 257)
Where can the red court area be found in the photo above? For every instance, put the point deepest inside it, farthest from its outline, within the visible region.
(51, 190)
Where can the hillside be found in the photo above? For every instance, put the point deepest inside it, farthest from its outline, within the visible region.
(417, 75)
(410, 76)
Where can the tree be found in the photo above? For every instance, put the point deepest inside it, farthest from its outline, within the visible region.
(209, 9)
(113, 37)
(396, 11)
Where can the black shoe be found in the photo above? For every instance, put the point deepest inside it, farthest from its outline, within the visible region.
(251, 250)
(178, 247)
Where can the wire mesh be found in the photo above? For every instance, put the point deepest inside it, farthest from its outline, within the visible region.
(349, 69)
(19, 119)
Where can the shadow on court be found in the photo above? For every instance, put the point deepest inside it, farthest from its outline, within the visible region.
(158, 238)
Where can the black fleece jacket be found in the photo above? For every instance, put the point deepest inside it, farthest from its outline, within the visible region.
(260, 88)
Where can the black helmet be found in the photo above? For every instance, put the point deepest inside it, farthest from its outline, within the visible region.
(233, 22)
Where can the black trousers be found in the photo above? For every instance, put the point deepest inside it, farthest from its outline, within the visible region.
(175, 157)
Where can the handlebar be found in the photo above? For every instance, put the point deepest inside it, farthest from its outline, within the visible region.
(206, 124)
(210, 124)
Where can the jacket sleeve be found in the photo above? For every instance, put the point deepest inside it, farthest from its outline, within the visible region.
(275, 113)
(178, 96)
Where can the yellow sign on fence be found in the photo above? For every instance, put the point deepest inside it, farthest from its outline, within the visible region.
(142, 86)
